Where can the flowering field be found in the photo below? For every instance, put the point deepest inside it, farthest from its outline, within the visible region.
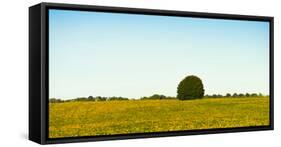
(72, 119)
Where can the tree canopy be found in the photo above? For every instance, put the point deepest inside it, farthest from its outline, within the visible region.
(191, 87)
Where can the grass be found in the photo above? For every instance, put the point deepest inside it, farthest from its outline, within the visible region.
(72, 119)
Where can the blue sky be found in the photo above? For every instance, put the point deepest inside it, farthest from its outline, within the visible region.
(110, 54)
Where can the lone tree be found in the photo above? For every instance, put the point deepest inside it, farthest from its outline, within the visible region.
(190, 87)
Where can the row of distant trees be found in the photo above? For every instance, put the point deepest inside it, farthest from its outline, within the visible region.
(235, 95)
(157, 97)
(99, 98)
(228, 95)
(90, 98)
(154, 97)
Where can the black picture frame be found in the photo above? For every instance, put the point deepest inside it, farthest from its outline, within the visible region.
(38, 71)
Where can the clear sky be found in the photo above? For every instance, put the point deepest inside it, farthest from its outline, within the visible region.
(110, 54)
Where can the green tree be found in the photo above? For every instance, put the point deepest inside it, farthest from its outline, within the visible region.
(235, 95)
(54, 100)
(155, 97)
(228, 95)
(254, 95)
(190, 87)
(91, 98)
(219, 96)
(241, 95)
(214, 96)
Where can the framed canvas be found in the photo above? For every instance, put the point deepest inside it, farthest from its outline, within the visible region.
(102, 73)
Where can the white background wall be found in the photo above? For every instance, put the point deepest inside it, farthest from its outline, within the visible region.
(14, 72)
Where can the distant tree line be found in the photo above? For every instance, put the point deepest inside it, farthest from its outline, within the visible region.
(191, 87)
(90, 98)
(99, 98)
(157, 97)
(153, 97)
(235, 95)
(55, 100)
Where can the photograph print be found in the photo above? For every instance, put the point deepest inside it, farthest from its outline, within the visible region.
(120, 73)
